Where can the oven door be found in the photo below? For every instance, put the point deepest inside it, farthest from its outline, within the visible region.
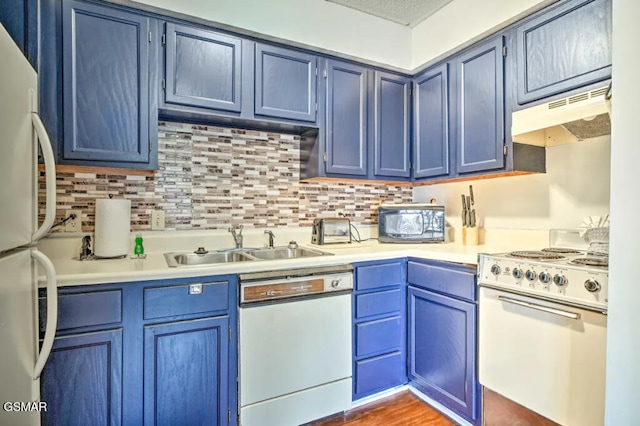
(545, 356)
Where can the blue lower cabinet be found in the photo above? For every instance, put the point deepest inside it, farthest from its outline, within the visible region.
(185, 372)
(442, 350)
(82, 382)
(379, 327)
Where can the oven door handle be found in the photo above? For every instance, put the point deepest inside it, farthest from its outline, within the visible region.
(559, 312)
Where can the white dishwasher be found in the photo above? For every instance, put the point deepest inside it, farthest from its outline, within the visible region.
(295, 345)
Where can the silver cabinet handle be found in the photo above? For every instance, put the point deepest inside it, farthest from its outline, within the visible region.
(195, 289)
(559, 312)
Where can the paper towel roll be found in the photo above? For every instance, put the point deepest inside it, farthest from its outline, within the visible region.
(113, 223)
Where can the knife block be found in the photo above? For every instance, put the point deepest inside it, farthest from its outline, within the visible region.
(470, 235)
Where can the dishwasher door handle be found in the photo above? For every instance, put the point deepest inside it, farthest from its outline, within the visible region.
(554, 311)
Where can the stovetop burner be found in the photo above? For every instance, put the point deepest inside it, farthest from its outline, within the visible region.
(599, 261)
(536, 255)
(562, 250)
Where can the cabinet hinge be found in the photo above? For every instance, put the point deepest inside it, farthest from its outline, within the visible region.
(504, 50)
(150, 146)
(504, 150)
(149, 36)
(228, 415)
(229, 333)
(164, 84)
(316, 107)
(324, 157)
(316, 71)
(410, 165)
(164, 39)
(324, 73)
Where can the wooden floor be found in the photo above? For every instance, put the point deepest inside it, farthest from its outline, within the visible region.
(401, 409)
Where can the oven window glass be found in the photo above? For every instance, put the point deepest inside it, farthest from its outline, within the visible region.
(404, 224)
(336, 229)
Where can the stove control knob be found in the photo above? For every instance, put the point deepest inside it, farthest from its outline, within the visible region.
(544, 277)
(335, 283)
(560, 280)
(495, 269)
(592, 286)
(517, 273)
(531, 275)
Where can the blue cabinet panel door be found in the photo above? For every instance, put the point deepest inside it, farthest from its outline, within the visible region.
(480, 107)
(565, 48)
(285, 83)
(441, 347)
(186, 373)
(105, 84)
(431, 123)
(82, 380)
(203, 68)
(391, 125)
(346, 124)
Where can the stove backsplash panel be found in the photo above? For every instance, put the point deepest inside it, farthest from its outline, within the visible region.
(211, 177)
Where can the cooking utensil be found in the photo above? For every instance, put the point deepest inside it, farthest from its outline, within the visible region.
(473, 203)
(464, 212)
(473, 218)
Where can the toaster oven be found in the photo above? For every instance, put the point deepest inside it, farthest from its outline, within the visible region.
(331, 230)
(411, 223)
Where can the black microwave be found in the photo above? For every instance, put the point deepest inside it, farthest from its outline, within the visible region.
(410, 223)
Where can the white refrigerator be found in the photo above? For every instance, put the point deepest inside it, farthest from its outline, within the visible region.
(22, 357)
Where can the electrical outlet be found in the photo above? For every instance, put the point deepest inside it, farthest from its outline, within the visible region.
(73, 225)
(157, 220)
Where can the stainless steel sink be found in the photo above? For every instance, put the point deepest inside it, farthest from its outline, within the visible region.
(285, 253)
(194, 259)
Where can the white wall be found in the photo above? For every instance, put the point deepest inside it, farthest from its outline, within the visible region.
(313, 22)
(623, 337)
(576, 185)
(460, 21)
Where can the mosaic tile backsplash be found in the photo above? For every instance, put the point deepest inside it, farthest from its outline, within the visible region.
(212, 177)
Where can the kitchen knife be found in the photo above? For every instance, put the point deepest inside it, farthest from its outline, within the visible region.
(473, 217)
(473, 202)
(464, 211)
(469, 211)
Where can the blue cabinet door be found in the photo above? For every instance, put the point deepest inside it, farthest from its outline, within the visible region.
(82, 380)
(442, 350)
(564, 48)
(346, 119)
(431, 123)
(202, 69)
(186, 374)
(285, 83)
(20, 19)
(105, 84)
(391, 125)
(479, 117)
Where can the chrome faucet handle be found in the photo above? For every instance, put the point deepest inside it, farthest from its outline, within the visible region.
(237, 236)
(271, 237)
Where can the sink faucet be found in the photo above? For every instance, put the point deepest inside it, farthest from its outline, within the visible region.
(237, 236)
(271, 237)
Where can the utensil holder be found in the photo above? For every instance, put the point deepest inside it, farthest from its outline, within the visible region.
(470, 235)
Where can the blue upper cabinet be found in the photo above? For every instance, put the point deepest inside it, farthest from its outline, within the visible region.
(564, 48)
(391, 123)
(479, 119)
(106, 100)
(20, 19)
(202, 68)
(346, 119)
(285, 83)
(431, 123)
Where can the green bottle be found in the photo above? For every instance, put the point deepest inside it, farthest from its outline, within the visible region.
(138, 249)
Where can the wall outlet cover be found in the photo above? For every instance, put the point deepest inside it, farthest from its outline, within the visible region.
(73, 225)
(157, 220)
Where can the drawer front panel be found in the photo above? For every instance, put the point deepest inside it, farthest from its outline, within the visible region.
(186, 299)
(379, 373)
(375, 276)
(378, 303)
(374, 337)
(451, 281)
(85, 309)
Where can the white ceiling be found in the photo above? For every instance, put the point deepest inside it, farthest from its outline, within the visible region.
(405, 12)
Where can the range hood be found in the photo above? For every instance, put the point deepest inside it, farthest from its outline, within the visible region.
(571, 119)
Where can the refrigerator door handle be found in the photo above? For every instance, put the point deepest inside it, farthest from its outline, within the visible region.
(52, 312)
(50, 176)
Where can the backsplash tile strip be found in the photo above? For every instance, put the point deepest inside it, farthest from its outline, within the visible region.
(211, 177)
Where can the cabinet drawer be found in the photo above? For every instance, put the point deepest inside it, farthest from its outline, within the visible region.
(378, 303)
(374, 276)
(84, 309)
(454, 280)
(160, 302)
(379, 373)
(378, 336)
